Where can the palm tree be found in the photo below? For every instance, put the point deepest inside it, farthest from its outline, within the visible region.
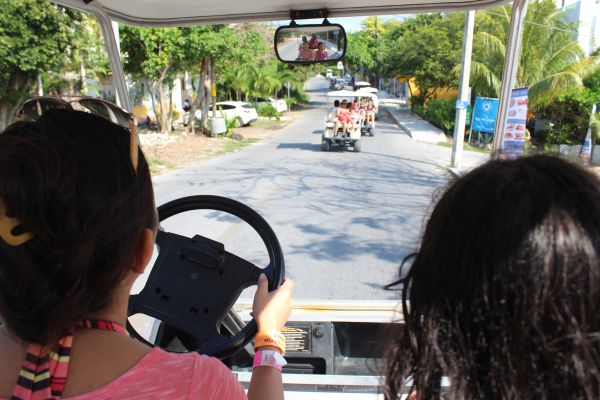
(551, 62)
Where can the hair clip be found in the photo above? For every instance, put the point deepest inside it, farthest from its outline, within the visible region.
(7, 225)
(133, 144)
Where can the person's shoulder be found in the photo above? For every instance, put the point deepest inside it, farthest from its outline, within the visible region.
(205, 377)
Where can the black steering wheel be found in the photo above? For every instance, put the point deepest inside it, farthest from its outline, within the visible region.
(195, 282)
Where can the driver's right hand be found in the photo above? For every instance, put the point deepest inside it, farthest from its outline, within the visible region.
(271, 310)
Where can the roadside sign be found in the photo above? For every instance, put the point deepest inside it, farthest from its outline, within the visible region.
(461, 104)
(287, 85)
(484, 115)
(214, 90)
(468, 117)
(515, 127)
(340, 65)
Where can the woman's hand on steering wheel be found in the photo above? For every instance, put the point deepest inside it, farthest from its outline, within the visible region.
(271, 310)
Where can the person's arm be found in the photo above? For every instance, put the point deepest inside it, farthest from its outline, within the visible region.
(271, 311)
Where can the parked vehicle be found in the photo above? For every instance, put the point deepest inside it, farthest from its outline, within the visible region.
(279, 104)
(242, 112)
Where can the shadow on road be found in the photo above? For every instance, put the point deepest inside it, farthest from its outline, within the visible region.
(300, 146)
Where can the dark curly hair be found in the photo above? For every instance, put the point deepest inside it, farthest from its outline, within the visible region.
(501, 296)
(69, 180)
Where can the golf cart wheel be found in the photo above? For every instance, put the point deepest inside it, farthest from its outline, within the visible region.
(325, 145)
(357, 146)
(372, 131)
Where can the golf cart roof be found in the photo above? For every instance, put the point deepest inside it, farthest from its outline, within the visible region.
(350, 94)
(184, 12)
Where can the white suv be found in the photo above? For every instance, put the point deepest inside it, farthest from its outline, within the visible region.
(242, 112)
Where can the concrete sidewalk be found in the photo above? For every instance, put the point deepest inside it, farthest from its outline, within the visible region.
(416, 127)
(422, 131)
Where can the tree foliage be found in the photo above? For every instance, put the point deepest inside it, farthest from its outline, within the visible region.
(427, 49)
(551, 62)
(34, 37)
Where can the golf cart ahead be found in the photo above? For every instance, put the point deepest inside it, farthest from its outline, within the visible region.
(366, 128)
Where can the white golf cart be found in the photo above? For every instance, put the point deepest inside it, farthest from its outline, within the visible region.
(331, 135)
(366, 127)
(333, 350)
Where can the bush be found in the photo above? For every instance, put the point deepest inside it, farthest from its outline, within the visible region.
(267, 111)
(440, 113)
(290, 101)
(568, 117)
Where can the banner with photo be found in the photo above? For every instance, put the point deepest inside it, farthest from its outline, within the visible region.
(516, 119)
(484, 115)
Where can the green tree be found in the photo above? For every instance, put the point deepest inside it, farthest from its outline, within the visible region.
(207, 49)
(33, 39)
(154, 54)
(359, 51)
(427, 49)
(551, 62)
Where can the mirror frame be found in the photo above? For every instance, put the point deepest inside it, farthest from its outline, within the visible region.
(304, 62)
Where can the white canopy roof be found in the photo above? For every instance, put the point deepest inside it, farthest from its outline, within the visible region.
(350, 94)
(184, 12)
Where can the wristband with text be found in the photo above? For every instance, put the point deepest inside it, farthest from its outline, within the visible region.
(269, 358)
(270, 338)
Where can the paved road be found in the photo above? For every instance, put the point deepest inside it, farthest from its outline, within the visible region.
(345, 220)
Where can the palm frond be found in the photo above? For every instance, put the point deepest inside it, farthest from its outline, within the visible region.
(543, 92)
(492, 43)
(481, 72)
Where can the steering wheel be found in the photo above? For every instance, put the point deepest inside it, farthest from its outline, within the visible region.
(195, 282)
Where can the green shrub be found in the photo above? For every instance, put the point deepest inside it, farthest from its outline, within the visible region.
(568, 117)
(290, 101)
(267, 111)
(440, 113)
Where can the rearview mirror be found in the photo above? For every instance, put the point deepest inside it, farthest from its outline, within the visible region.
(310, 44)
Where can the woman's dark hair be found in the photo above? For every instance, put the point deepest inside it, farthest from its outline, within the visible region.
(502, 296)
(69, 180)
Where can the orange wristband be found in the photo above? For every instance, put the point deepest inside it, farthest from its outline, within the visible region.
(270, 338)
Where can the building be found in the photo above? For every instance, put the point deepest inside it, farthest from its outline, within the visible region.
(587, 14)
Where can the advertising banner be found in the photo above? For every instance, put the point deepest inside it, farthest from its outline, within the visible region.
(484, 115)
(585, 154)
(516, 119)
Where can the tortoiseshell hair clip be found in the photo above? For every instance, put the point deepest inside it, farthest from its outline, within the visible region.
(7, 227)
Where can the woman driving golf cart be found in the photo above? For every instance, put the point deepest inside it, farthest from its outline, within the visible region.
(77, 227)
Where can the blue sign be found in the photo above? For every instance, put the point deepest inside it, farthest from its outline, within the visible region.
(484, 115)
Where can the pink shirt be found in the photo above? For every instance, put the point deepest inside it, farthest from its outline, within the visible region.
(162, 375)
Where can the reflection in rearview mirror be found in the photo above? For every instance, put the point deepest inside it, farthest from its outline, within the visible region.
(309, 44)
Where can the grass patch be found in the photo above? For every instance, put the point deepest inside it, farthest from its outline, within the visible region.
(157, 165)
(230, 146)
(467, 147)
(269, 123)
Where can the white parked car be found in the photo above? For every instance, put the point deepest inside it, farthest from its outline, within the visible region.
(242, 112)
(278, 104)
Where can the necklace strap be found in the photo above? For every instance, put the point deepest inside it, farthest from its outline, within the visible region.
(43, 374)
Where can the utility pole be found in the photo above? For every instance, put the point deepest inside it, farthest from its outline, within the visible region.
(509, 73)
(463, 91)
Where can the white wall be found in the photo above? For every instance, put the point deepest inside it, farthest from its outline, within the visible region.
(587, 13)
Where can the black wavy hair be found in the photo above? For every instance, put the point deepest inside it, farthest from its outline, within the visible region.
(501, 296)
(69, 179)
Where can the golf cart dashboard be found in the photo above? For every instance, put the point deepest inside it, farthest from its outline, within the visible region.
(329, 348)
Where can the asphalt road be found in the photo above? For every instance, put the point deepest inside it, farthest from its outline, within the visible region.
(345, 220)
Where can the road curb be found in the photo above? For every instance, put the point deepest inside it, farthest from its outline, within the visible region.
(398, 122)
